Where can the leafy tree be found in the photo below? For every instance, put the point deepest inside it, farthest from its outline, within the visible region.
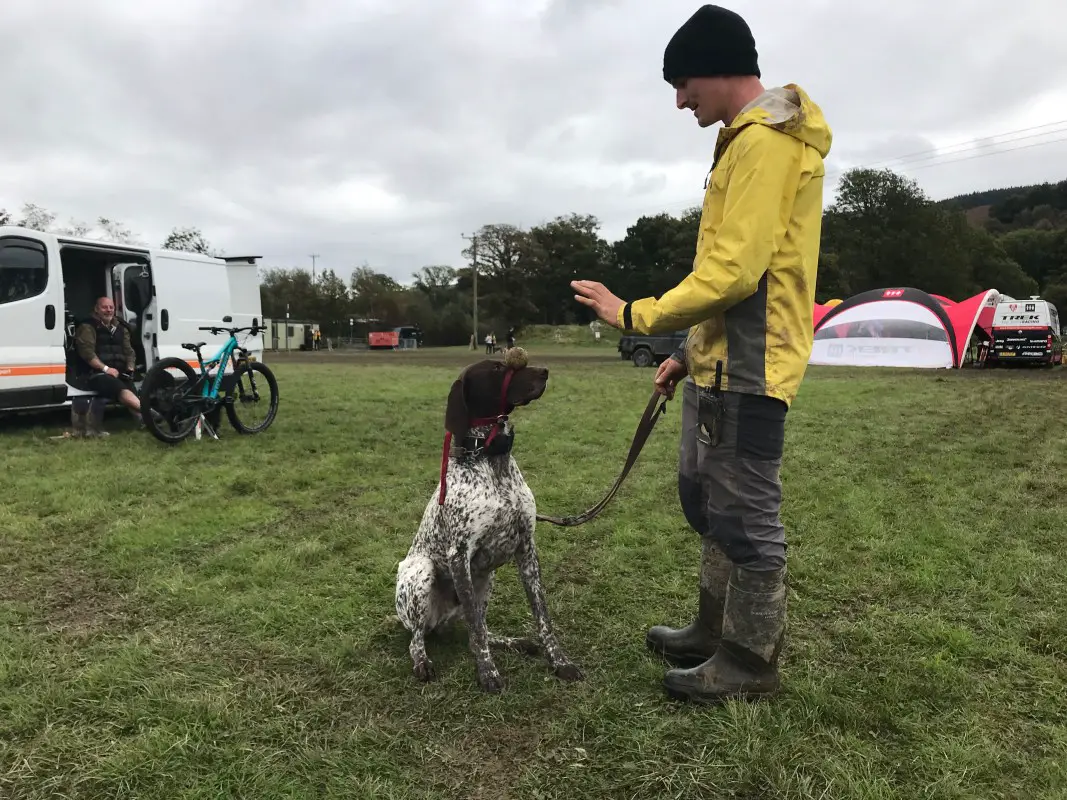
(1041, 253)
(566, 248)
(375, 295)
(188, 240)
(36, 218)
(655, 255)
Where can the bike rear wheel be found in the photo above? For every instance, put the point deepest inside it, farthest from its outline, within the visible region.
(253, 389)
(173, 400)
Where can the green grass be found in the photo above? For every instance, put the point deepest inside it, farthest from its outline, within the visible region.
(216, 620)
(574, 335)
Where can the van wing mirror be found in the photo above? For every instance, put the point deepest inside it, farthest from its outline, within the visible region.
(227, 318)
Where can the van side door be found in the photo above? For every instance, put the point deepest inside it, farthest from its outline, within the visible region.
(132, 288)
(33, 361)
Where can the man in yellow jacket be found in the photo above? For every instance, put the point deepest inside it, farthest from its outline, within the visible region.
(748, 305)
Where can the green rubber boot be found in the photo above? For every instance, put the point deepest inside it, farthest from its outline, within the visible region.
(745, 665)
(77, 423)
(697, 642)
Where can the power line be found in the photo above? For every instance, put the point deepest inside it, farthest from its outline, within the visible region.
(936, 152)
(988, 142)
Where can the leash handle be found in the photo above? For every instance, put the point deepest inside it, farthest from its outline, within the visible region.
(644, 428)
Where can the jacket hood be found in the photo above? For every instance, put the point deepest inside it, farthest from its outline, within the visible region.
(787, 109)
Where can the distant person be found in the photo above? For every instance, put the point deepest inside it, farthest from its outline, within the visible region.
(106, 360)
(748, 303)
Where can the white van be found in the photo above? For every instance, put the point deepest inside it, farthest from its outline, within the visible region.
(1025, 331)
(49, 284)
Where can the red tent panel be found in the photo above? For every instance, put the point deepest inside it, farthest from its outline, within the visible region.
(965, 315)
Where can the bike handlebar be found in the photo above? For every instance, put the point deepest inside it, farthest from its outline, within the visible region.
(215, 329)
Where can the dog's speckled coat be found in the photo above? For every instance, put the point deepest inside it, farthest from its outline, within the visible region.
(487, 520)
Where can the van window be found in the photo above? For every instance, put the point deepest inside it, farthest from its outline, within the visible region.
(23, 269)
(1054, 318)
(137, 291)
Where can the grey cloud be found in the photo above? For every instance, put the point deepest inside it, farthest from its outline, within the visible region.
(251, 119)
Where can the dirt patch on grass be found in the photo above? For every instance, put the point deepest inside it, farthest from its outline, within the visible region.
(71, 601)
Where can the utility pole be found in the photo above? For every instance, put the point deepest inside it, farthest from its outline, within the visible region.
(474, 270)
(313, 256)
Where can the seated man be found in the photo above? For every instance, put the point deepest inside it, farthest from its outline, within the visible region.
(105, 353)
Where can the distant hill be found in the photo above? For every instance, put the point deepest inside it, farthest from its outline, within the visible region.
(988, 197)
(1041, 206)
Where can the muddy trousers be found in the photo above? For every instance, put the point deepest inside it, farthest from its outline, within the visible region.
(728, 484)
(728, 474)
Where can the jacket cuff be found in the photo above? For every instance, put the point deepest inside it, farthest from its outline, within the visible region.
(625, 317)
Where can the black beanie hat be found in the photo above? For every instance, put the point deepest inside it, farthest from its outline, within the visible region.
(714, 41)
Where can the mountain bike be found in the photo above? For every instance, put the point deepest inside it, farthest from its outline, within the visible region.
(172, 408)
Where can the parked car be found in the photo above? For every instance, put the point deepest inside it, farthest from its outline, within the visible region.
(646, 351)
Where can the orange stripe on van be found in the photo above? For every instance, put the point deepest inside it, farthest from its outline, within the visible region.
(21, 370)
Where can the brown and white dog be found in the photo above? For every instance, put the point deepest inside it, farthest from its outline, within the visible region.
(481, 516)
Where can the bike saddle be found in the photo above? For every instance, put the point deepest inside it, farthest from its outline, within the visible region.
(193, 347)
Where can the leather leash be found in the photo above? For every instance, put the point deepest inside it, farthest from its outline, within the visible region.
(644, 428)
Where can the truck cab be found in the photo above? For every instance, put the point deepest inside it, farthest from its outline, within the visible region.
(49, 285)
(1026, 332)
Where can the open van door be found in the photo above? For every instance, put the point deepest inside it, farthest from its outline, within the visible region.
(131, 290)
(32, 354)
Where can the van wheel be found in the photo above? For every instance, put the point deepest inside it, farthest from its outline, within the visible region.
(643, 357)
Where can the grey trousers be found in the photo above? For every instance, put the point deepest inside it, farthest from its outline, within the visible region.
(728, 473)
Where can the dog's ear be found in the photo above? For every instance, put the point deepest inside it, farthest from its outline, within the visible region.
(456, 415)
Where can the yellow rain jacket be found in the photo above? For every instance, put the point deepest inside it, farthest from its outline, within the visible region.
(750, 297)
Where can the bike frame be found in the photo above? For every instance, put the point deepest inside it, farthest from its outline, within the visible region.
(210, 389)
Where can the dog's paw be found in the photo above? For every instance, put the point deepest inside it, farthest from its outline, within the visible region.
(569, 672)
(490, 680)
(425, 672)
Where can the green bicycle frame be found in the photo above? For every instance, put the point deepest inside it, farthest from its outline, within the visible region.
(210, 389)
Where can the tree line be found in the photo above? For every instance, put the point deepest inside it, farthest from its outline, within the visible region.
(881, 230)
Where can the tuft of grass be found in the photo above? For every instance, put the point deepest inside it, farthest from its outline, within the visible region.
(216, 619)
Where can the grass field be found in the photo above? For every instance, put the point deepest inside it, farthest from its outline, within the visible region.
(216, 620)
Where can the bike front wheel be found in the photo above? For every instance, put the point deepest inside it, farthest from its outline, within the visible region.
(168, 407)
(252, 399)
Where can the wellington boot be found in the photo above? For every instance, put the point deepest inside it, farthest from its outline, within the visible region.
(745, 665)
(696, 642)
(77, 423)
(95, 428)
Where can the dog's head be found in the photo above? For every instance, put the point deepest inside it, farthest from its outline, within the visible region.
(479, 390)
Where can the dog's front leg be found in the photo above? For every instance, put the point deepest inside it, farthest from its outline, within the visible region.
(460, 564)
(530, 572)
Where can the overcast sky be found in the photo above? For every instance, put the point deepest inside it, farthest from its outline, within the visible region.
(378, 132)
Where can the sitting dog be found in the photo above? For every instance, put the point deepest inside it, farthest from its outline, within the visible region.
(482, 516)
